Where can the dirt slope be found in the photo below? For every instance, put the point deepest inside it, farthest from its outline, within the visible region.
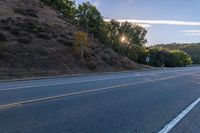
(35, 41)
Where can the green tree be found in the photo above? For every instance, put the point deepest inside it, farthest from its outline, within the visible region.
(90, 18)
(181, 58)
(169, 58)
(66, 7)
(113, 28)
(192, 49)
(135, 34)
(127, 39)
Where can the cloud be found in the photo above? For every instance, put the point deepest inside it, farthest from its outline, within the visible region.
(140, 24)
(191, 32)
(159, 22)
(144, 25)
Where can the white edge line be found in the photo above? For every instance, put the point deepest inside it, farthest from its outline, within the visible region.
(64, 83)
(84, 81)
(175, 121)
(76, 93)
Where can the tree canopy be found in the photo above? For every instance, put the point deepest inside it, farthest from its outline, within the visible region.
(168, 58)
(192, 49)
(90, 18)
(67, 7)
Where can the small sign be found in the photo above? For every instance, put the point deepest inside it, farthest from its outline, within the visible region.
(147, 59)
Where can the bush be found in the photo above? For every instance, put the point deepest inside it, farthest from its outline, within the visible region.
(169, 58)
(81, 43)
(179, 58)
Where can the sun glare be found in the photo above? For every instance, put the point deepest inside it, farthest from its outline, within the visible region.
(123, 38)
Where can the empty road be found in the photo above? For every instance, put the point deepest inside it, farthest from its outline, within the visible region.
(157, 101)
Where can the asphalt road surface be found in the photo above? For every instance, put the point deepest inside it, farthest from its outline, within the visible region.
(157, 101)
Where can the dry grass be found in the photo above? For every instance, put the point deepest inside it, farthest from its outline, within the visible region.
(39, 43)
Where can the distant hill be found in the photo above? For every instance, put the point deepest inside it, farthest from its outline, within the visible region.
(193, 49)
(36, 41)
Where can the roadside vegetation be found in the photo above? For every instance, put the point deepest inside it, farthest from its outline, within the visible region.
(168, 58)
(126, 38)
(192, 49)
(81, 43)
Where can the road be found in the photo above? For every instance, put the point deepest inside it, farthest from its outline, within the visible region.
(157, 101)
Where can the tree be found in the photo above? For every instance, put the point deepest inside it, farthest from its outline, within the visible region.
(170, 58)
(90, 18)
(113, 34)
(127, 39)
(192, 49)
(66, 7)
(181, 58)
(135, 34)
(81, 42)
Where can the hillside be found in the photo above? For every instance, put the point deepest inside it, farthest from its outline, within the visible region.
(36, 41)
(193, 49)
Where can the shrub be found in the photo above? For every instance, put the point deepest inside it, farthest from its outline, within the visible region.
(81, 42)
(169, 58)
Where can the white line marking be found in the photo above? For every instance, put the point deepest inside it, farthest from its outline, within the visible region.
(77, 93)
(10, 106)
(65, 83)
(84, 81)
(175, 121)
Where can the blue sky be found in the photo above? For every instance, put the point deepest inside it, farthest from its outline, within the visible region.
(166, 21)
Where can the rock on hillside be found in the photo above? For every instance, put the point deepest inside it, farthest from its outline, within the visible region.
(36, 41)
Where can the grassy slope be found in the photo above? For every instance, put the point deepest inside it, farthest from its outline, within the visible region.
(35, 41)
